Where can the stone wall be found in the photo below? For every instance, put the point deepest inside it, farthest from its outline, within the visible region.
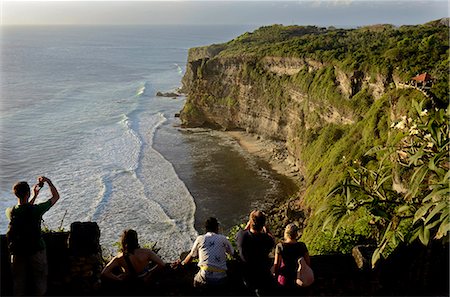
(75, 263)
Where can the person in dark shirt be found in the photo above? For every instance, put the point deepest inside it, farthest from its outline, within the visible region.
(287, 254)
(25, 242)
(255, 243)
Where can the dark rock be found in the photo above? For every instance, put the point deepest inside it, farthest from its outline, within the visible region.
(168, 94)
(84, 238)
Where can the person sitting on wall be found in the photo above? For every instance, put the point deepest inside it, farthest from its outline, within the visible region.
(25, 243)
(287, 254)
(211, 249)
(134, 265)
(255, 243)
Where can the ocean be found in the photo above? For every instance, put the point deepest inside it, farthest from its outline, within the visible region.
(78, 105)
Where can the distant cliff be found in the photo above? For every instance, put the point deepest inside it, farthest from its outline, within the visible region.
(329, 94)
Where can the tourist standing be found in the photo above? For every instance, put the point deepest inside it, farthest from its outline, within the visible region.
(25, 243)
(255, 243)
(287, 254)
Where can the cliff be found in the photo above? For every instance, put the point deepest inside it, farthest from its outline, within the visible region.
(328, 95)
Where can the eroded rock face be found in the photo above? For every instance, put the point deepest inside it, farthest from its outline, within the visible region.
(259, 96)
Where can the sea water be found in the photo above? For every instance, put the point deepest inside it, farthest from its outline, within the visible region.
(78, 105)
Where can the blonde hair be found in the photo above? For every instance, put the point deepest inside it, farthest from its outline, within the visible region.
(291, 231)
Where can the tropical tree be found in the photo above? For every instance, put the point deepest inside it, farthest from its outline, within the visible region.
(404, 187)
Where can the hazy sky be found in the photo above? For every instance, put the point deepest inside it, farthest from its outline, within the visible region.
(317, 12)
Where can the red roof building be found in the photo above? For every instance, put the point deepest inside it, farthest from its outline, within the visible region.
(423, 80)
(424, 77)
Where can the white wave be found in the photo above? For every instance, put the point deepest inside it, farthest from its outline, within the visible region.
(144, 90)
(140, 91)
(180, 70)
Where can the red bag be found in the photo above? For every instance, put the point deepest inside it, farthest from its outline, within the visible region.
(281, 278)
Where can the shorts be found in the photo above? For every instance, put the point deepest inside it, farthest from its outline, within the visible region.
(203, 278)
(30, 272)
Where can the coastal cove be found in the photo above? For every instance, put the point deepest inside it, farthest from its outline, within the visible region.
(229, 173)
(89, 96)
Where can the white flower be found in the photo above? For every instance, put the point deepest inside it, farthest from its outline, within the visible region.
(424, 113)
(413, 131)
(428, 136)
(400, 125)
(402, 154)
(409, 120)
(430, 144)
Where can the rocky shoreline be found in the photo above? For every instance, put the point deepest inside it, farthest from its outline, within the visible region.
(275, 153)
(285, 209)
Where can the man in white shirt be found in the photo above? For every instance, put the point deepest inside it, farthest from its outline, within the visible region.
(211, 249)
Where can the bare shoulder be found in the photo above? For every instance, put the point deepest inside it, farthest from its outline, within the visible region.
(144, 252)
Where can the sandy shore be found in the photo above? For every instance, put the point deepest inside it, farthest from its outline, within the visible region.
(274, 153)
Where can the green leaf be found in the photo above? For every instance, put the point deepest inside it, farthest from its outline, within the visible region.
(417, 106)
(432, 225)
(421, 236)
(403, 208)
(414, 235)
(422, 211)
(380, 183)
(414, 159)
(386, 232)
(375, 149)
(436, 210)
(437, 193)
(431, 164)
(375, 257)
(424, 235)
(416, 180)
(444, 228)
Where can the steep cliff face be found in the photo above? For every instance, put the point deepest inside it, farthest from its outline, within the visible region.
(262, 96)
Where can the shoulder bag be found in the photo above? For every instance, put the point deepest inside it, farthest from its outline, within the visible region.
(305, 275)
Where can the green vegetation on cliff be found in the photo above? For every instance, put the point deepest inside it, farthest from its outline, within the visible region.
(332, 95)
(379, 49)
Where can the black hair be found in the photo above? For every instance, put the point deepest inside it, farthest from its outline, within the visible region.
(129, 241)
(21, 190)
(212, 225)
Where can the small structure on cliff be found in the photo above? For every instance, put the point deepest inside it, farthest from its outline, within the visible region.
(423, 80)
